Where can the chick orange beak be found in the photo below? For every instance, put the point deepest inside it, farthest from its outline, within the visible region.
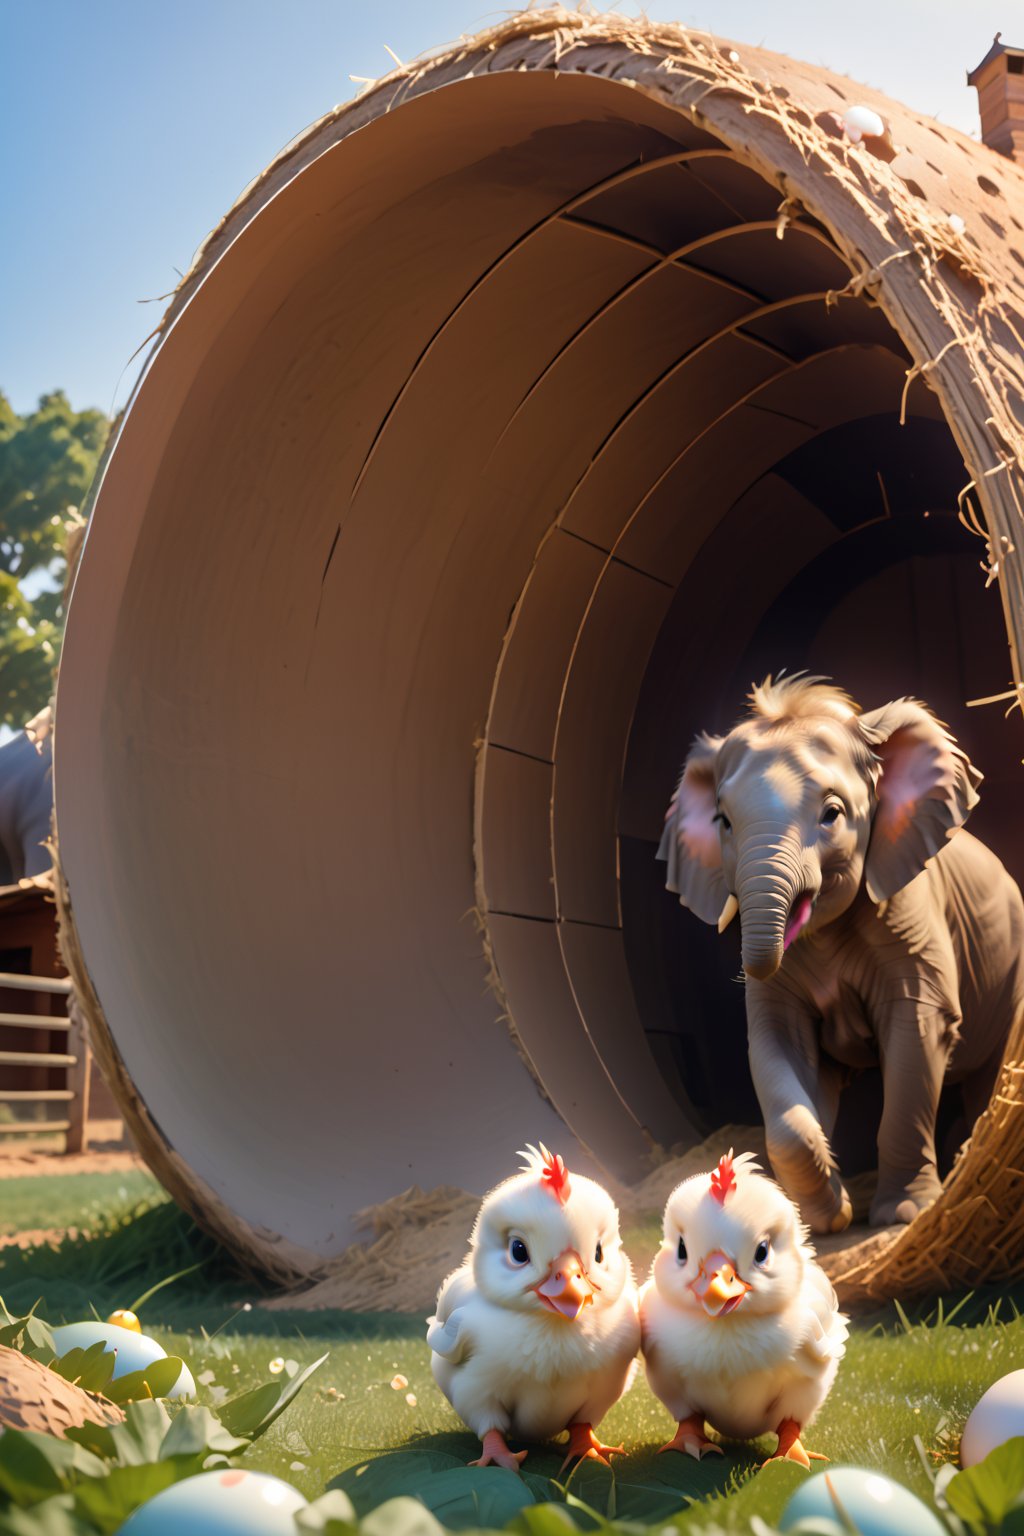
(718, 1287)
(567, 1289)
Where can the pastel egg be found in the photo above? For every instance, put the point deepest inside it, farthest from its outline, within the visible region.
(997, 1417)
(231, 1502)
(134, 1350)
(862, 123)
(876, 1505)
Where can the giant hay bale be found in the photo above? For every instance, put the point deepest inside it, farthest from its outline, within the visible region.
(512, 418)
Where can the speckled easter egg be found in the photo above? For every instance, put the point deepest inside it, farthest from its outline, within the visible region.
(876, 1505)
(230, 1502)
(134, 1350)
(998, 1415)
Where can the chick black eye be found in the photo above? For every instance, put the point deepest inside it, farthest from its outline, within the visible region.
(518, 1251)
(723, 821)
(681, 1252)
(598, 1254)
(830, 815)
(762, 1251)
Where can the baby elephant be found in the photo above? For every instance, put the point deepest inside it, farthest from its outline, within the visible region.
(871, 935)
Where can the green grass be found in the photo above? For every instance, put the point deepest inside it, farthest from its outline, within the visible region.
(69, 1200)
(894, 1387)
(900, 1381)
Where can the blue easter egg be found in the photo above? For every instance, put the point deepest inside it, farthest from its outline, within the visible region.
(876, 1505)
(134, 1350)
(230, 1502)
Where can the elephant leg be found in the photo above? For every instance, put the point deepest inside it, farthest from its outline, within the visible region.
(915, 1051)
(785, 1064)
(978, 1088)
(830, 1084)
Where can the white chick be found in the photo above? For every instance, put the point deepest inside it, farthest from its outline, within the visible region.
(538, 1332)
(741, 1328)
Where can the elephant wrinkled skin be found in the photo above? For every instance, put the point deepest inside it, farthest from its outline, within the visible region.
(871, 934)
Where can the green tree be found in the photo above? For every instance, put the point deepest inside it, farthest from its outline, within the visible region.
(47, 461)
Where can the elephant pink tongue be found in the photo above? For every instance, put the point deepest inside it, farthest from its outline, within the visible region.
(798, 918)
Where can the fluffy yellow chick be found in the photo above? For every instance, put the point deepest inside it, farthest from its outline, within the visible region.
(741, 1328)
(538, 1332)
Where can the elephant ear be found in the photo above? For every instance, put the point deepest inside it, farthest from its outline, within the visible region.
(927, 787)
(690, 844)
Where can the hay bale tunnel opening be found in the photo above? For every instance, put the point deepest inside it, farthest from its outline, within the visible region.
(495, 456)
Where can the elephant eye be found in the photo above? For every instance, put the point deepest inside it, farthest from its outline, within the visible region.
(831, 814)
(720, 816)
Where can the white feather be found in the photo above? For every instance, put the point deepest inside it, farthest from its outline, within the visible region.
(502, 1358)
(773, 1358)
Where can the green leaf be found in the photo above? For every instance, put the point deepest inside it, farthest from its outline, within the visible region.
(401, 1517)
(33, 1466)
(646, 1503)
(251, 1413)
(371, 1483)
(91, 1368)
(243, 1414)
(331, 1515)
(544, 1520)
(134, 1443)
(155, 1380)
(197, 1432)
(985, 1495)
(468, 1498)
(29, 1334)
(108, 1501)
(53, 1517)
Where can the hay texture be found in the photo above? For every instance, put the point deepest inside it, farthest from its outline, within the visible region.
(265, 922)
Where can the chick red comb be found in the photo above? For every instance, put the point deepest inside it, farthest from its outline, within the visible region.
(553, 1173)
(723, 1178)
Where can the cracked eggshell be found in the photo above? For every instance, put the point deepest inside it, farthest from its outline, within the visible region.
(134, 1350)
(875, 1504)
(229, 1502)
(997, 1417)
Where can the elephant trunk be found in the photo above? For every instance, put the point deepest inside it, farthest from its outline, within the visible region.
(769, 883)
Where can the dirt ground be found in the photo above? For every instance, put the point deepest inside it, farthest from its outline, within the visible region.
(108, 1152)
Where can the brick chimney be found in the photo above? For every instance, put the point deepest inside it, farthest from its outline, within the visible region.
(999, 80)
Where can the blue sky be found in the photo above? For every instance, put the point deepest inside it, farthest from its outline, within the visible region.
(130, 127)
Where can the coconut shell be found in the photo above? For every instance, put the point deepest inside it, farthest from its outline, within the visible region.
(35, 1398)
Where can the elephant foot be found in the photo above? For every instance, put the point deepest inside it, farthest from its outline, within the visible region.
(899, 1199)
(829, 1210)
(802, 1163)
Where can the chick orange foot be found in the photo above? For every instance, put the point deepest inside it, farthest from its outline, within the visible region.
(691, 1439)
(584, 1444)
(791, 1447)
(497, 1454)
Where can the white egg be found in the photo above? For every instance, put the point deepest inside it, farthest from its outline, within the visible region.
(231, 1502)
(134, 1350)
(874, 1503)
(862, 123)
(997, 1417)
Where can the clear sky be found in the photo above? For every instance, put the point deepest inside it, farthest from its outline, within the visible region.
(130, 126)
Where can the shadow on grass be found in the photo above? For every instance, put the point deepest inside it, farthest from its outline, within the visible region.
(643, 1486)
(123, 1256)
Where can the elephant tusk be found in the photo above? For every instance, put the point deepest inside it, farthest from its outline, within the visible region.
(729, 911)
